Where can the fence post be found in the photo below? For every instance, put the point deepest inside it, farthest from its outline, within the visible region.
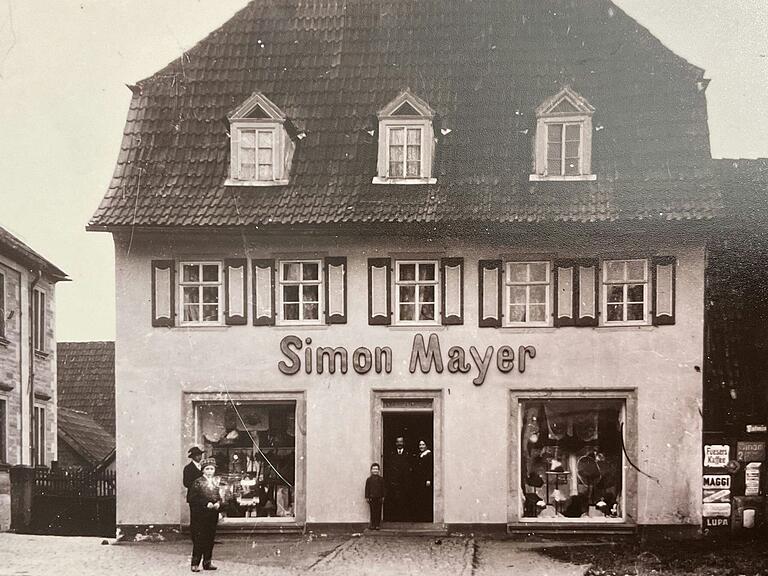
(22, 489)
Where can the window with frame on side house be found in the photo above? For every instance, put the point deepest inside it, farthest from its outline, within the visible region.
(417, 298)
(39, 320)
(261, 150)
(528, 293)
(625, 291)
(406, 141)
(38, 436)
(563, 144)
(300, 291)
(200, 293)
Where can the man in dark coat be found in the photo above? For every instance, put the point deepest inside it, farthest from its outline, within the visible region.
(192, 472)
(399, 469)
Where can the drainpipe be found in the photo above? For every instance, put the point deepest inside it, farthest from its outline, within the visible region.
(38, 276)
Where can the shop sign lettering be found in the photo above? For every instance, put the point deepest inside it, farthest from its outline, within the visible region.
(717, 496)
(425, 357)
(717, 522)
(717, 482)
(750, 451)
(756, 428)
(716, 510)
(716, 455)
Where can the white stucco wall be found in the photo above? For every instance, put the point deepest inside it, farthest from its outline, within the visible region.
(154, 366)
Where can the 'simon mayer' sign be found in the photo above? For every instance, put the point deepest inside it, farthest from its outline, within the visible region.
(425, 357)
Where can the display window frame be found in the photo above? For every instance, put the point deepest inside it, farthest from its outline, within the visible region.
(628, 416)
(192, 436)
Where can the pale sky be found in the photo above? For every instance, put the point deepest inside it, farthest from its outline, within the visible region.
(63, 101)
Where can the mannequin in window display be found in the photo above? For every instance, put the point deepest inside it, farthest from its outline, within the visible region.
(423, 471)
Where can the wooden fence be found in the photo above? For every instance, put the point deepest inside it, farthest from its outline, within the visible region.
(74, 482)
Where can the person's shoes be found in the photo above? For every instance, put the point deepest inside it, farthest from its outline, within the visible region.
(209, 567)
(195, 568)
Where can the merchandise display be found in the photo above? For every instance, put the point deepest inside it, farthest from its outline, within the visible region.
(572, 459)
(255, 452)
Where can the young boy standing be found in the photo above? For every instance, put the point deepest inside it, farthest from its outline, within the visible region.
(375, 491)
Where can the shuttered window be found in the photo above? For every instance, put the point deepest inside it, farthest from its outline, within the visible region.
(625, 291)
(527, 293)
(200, 290)
(300, 291)
(416, 292)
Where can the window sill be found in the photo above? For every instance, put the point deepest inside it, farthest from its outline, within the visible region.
(579, 178)
(4, 342)
(419, 326)
(534, 328)
(403, 181)
(201, 327)
(42, 355)
(255, 183)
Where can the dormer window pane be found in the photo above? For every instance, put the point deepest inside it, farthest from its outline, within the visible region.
(572, 149)
(413, 167)
(563, 149)
(396, 152)
(248, 154)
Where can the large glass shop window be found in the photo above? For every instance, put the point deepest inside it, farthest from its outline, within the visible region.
(572, 459)
(254, 445)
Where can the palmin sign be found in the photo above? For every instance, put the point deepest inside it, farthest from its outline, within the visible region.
(424, 357)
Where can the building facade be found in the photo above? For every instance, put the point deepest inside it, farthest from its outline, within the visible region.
(333, 230)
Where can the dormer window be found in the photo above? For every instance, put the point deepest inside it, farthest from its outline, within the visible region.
(406, 142)
(260, 148)
(563, 149)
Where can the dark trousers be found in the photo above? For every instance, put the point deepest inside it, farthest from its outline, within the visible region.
(194, 523)
(375, 504)
(203, 528)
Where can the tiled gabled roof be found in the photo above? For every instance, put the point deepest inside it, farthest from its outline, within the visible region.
(482, 65)
(14, 248)
(84, 435)
(86, 380)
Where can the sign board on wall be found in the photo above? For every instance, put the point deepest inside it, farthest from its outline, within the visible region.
(717, 482)
(716, 455)
(751, 451)
(756, 428)
(717, 522)
(716, 510)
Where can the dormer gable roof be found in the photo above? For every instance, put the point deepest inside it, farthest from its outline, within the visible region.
(406, 104)
(257, 107)
(565, 102)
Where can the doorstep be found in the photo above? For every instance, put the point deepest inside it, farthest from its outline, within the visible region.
(571, 529)
(411, 529)
(236, 528)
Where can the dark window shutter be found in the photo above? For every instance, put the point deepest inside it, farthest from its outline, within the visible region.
(566, 293)
(664, 290)
(236, 291)
(263, 287)
(336, 290)
(489, 293)
(163, 293)
(379, 297)
(586, 292)
(452, 291)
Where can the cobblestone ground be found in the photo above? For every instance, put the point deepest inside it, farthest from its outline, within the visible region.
(22, 555)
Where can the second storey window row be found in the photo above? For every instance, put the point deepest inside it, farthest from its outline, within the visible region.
(514, 293)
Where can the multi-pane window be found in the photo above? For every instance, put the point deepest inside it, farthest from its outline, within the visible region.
(2, 308)
(38, 436)
(3, 431)
(563, 149)
(416, 292)
(300, 291)
(38, 318)
(200, 292)
(405, 152)
(527, 293)
(625, 291)
(257, 154)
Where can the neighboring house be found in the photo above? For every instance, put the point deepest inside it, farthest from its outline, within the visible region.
(86, 381)
(27, 354)
(479, 224)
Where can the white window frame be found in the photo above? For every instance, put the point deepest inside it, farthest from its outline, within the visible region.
(257, 129)
(201, 284)
(545, 117)
(625, 283)
(39, 435)
(508, 284)
(417, 283)
(40, 323)
(320, 282)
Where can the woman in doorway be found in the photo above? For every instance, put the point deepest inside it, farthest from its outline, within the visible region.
(204, 497)
(423, 475)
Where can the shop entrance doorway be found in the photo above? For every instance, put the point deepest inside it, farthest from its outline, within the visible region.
(408, 471)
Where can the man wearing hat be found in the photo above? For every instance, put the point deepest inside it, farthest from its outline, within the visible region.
(192, 472)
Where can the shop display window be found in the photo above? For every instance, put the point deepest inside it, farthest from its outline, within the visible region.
(254, 444)
(572, 459)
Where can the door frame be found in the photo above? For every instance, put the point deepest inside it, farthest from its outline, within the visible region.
(412, 401)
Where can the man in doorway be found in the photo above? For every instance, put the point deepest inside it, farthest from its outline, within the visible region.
(399, 469)
(192, 472)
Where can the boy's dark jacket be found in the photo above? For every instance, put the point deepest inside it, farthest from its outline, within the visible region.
(375, 487)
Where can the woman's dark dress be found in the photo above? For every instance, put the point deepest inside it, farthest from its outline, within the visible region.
(423, 472)
(200, 494)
